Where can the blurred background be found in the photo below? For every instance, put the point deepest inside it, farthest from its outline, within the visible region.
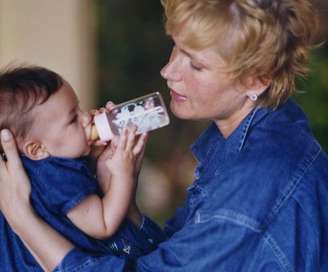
(114, 50)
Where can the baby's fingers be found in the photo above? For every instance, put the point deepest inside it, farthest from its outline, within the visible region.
(99, 143)
(140, 145)
(122, 142)
(110, 105)
(131, 138)
(95, 112)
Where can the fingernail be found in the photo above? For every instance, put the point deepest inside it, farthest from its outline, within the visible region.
(6, 135)
(109, 103)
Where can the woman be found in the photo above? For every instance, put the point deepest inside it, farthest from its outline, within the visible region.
(261, 185)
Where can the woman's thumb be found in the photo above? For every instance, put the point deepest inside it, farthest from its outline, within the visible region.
(9, 147)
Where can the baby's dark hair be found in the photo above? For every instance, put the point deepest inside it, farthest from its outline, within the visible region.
(22, 88)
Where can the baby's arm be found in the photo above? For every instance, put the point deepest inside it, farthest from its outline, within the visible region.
(101, 217)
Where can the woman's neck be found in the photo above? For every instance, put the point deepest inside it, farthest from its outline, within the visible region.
(228, 125)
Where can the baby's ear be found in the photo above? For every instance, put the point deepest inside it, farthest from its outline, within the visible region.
(35, 150)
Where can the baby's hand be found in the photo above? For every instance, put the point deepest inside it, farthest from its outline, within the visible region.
(97, 145)
(102, 172)
(127, 153)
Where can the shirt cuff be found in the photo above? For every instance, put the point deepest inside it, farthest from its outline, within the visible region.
(141, 226)
(78, 260)
(153, 233)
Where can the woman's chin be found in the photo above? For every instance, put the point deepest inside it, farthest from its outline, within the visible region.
(179, 112)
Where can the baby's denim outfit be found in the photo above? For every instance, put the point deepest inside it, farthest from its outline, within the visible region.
(58, 185)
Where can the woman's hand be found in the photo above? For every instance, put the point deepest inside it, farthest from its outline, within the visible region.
(46, 245)
(15, 187)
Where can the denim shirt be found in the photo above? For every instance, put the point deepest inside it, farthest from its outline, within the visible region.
(259, 202)
(58, 185)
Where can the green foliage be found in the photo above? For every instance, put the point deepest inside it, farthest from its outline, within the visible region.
(132, 49)
(313, 94)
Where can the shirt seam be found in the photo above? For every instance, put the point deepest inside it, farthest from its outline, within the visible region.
(277, 252)
(231, 216)
(295, 180)
(246, 129)
(253, 225)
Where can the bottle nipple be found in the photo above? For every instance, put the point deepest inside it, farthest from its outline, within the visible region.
(102, 127)
(94, 133)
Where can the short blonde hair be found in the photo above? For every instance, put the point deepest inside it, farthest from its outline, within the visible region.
(268, 39)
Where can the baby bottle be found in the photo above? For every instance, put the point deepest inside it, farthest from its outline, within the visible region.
(147, 113)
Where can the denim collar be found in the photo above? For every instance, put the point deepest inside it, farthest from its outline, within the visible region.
(212, 138)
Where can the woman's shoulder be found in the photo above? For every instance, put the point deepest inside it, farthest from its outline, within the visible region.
(277, 155)
(283, 134)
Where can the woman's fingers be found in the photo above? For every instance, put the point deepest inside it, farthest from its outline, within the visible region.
(10, 149)
(2, 163)
(15, 185)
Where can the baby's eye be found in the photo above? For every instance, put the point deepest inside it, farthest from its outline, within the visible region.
(73, 120)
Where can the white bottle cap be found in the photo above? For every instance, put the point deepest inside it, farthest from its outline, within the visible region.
(103, 128)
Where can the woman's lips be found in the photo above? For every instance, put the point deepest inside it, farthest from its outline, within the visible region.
(177, 97)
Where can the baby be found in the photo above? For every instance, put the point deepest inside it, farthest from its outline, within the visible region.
(43, 112)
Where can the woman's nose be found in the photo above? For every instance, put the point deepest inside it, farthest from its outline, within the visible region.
(171, 70)
(164, 71)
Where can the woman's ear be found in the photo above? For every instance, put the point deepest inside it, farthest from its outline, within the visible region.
(255, 87)
(35, 150)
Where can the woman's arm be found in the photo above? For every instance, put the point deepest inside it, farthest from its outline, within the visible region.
(47, 246)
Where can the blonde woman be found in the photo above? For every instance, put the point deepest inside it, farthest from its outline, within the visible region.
(261, 186)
